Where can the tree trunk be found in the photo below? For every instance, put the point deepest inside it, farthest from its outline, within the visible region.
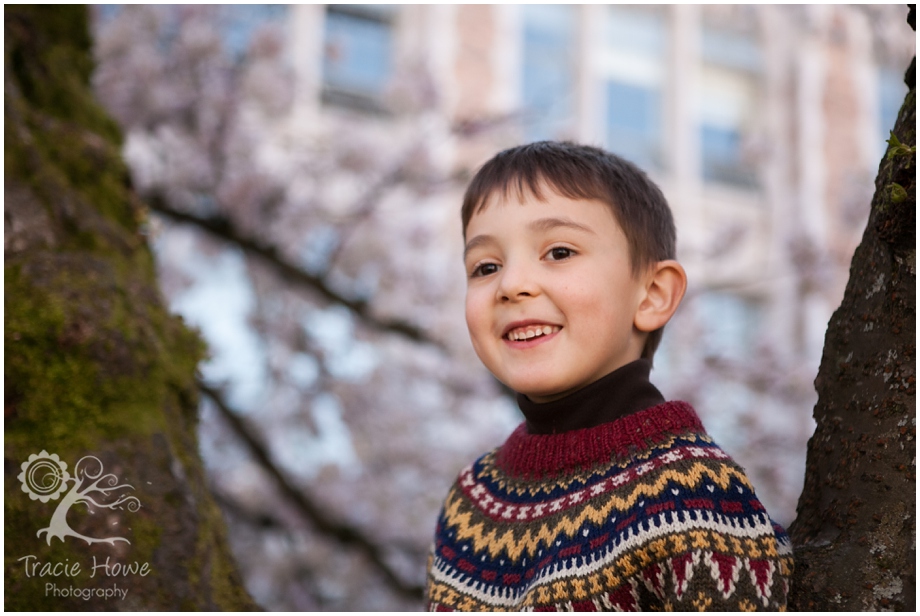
(855, 529)
(106, 504)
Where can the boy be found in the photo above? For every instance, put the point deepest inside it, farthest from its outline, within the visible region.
(607, 497)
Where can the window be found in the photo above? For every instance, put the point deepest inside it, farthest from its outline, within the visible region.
(236, 24)
(548, 81)
(357, 57)
(239, 22)
(731, 323)
(633, 69)
(727, 110)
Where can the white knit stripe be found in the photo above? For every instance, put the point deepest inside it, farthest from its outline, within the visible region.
(492, 504)
(628, 541)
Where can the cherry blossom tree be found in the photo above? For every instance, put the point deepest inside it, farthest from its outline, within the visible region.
(309, 247)
(345, 397)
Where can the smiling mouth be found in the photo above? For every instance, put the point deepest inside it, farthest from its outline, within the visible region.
(531, 331)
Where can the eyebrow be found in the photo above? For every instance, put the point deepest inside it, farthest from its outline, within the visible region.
(477, 241)
(548, 224)
(539, 225)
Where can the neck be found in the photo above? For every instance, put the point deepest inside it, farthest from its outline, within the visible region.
(624, 391)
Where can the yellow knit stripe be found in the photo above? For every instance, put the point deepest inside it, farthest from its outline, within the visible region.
(546, 535)
(580, 586)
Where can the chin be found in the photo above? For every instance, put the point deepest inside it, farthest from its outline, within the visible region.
(538, 382)
(535, 391)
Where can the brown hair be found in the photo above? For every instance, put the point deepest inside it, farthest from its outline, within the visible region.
(585, 172)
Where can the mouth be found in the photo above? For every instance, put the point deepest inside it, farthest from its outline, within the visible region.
(529, 332)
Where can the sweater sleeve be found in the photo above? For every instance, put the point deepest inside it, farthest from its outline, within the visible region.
(709, 575)
(677, 527)
(717, 550)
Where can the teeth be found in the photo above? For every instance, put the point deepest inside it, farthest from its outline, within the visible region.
(529, 332)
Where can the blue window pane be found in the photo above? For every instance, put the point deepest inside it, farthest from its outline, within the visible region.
(358, 51)
(634, 66)
(636, 31)
(548, 80)
(634, 123)
(731, 50)
(722, 157)
(239, 22)
(732, 78)
(731, 323)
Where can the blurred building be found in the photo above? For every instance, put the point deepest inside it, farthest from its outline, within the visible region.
(764, 126)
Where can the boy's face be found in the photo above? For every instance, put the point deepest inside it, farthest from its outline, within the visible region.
(551, 299)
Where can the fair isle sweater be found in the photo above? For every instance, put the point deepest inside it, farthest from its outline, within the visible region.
(639, 510)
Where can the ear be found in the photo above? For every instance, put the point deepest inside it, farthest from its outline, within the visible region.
(665, 285)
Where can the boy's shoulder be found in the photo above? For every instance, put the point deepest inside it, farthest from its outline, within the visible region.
(676, 504)
(654, 481)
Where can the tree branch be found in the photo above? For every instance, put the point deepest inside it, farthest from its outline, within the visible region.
(343, 533)
(224, 229)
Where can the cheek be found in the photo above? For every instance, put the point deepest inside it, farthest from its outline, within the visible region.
(597, 308)
(581, 297)
(475, 313)
(478, 325)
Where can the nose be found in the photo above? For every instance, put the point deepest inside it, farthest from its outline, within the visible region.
(517, 282)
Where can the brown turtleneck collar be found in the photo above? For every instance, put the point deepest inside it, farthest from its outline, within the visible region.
(624, 391)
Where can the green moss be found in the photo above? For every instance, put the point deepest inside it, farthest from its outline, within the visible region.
(60, 139)
(51, 63)
(60, 157)
(100, 372)
(94, 363)
(896, 193)
(93, 170)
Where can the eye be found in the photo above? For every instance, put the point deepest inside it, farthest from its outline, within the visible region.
(559, 253)
(484, 269)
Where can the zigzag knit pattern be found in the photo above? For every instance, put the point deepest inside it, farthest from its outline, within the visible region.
(643, 513)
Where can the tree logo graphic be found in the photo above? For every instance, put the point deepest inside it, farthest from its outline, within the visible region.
(44, 477)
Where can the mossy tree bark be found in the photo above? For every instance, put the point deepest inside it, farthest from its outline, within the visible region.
(855, 530)
(94, 364)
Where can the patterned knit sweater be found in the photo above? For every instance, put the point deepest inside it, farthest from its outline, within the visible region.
(641, 513)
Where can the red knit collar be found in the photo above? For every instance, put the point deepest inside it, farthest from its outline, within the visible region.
(540, 455)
